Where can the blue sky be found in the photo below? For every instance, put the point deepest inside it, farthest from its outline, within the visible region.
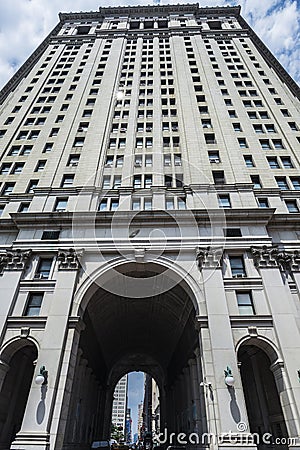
(24, 23)
(135, 395)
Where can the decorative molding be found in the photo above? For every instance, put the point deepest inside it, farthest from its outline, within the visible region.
(13, 259)
(266, 257)
(68, 259)
(209, 258)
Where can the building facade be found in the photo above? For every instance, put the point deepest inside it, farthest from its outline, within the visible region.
(119, 406)
(149, 198)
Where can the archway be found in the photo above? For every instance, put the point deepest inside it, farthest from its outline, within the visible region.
(19, 365)
(155, 334)
(261, 394)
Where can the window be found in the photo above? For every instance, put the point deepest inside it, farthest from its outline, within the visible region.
(103, 205)
(292, 206)
(40, 166)
(61, 204)
(245, 304)
(31, 186)
(270, 128)
(34, 304)
(169, 203)
(218, 176)
(50, 235)
(114, 204)
(237, 266)
(67, 180)
(232, 113)
(258, 128)
(5, 168)
(136, 204)
(2, 209)
(242, 142)
(237, 127)
(24, 207)
(214, 157)
(78, 142)
(286, 162)
(277, 143)
(265, 144)
(8, 188)
(148, 204)
(282, 183)
(48, 147)
(73, 160)
(43, 268)
(285, 113)
(296, 183)
(148, 181)
(248, 161)
(263, 203)
(273, 163)
(256, 181)
(117, 182)
(224, 201)
(54, 132)
(263, 114)
(232, 232)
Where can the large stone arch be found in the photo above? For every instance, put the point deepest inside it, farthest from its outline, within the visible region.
(99, 275)
(17, 362)
(122, 333)
(266, 387)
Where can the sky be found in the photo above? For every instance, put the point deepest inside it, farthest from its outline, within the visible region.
(25, 23)
(135, 395)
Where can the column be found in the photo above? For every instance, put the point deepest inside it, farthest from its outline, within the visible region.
(41, 417)
(227, 404)
(273, 266)
(12, 265)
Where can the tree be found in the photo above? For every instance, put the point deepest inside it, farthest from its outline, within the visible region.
(116, 433)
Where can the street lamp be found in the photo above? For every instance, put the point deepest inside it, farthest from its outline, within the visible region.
(42, 378)
(229, 378)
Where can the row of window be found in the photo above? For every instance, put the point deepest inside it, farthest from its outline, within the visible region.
(244, 302)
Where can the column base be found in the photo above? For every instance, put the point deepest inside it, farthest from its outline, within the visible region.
(31, 441)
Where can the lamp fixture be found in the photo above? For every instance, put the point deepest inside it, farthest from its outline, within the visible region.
(229, 378)
(42, 378)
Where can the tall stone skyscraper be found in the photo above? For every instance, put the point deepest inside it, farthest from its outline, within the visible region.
(149, 198)
(119, 406)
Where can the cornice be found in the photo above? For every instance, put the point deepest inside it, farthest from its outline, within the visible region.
(271, 60)
(28, 65)
(65, 219)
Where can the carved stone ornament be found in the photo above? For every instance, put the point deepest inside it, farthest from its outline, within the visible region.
(264, 256)
(208, 257)
(14, 259)
(287, 261)
(68, 259)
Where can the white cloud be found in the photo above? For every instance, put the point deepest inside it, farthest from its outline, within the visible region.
(25, 23)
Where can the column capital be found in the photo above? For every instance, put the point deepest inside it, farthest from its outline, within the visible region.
(208, 257)
(270, 257)
(13, 259)
(264, 257)
(68, 258)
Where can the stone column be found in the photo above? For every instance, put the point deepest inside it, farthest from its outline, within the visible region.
(226, 404)
(273, 266)
(42, 414)
(12, 265)
(196, 425)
